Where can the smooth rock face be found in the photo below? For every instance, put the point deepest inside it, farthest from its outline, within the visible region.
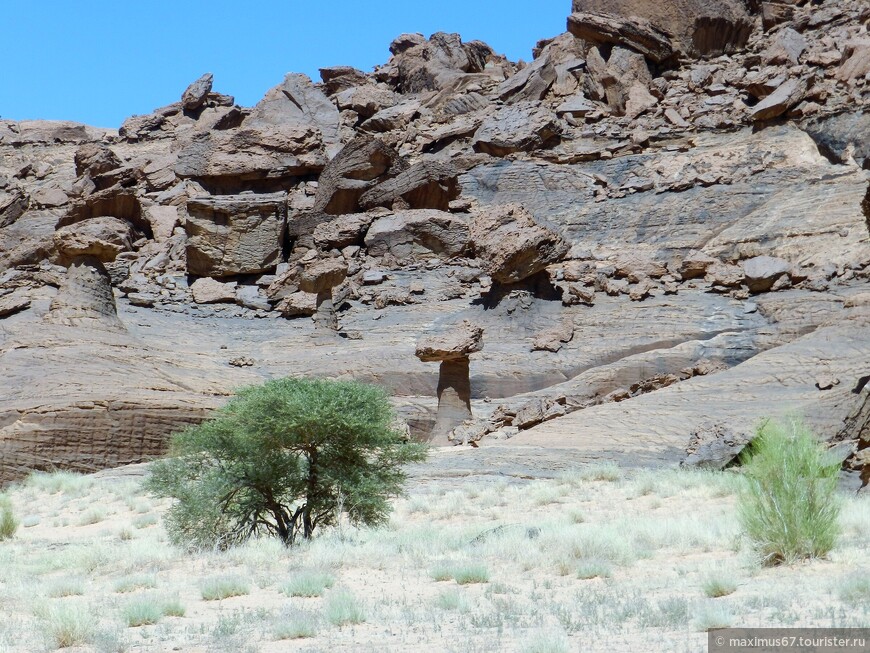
(236, 234)
(454, 398)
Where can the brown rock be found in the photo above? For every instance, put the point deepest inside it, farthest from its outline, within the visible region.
(856, 62)
(418, 233)
(762, 272)
(102, 238)
(781, 100)
(322, 275)
(95, 159)
(210, 291)
(553, 339)
(786, 49)
(196, 94)
(429, 184)
(13, 303)
(362, 163)
(511, 245)
(235, 234)
(85, 297)
(519, 128)
(343, 231)
(695, 265)
(638, 34)
(453, 344)
(340, 78)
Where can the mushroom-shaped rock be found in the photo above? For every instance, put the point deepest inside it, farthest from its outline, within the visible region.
(85, 296)
(452, 349)
(319, 277)
(512, 246)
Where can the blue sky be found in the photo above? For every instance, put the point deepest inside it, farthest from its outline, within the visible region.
(99, 61)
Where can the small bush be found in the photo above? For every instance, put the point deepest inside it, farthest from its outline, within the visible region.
(712, 617)
(308, 583)
(133, 583)
(295, 627)
(8, 523)
(216, 589)
(148, 610)
(70, 483)
(588, 569)
(62, 587)
(789, 509)
(470, 574)
(92, 516)
(451, 600)
(441, 572)
(717, 585)
(546, 642)
(343, 608)
(855, 590)
(68, 624)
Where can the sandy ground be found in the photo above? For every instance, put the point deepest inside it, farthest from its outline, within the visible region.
(596, 558)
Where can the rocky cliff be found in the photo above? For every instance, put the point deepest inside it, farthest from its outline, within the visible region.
(660, 224)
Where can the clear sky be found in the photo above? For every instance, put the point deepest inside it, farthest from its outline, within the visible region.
(99, 61)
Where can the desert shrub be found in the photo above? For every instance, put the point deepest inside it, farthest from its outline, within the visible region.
(8, 523)
(718, 584)
(283, 458)
(789, 507)
(217, 589)
(343, 608)
(308, 583)
(67, 624)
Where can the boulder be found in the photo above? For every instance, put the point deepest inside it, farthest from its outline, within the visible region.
(843, 137)
(211, 291)
(786, 49)
(361, 164)
(95, 159)
(366, 100)
(340, 78)
(343, 231)
(522, 127)
(102, 238)
(762, 272)
(235, 234)
(554, 338)
(511, 245)
(429, 184)
(13, 303)
(715, 446)
(391, 118)
(13, 203)
(298, 304)
(322, 275)
(195, 95)
(856, 62)
(418, 233)
(664, 29)
(787, 95)
(451, 344)
(695, 265)
(626, 74)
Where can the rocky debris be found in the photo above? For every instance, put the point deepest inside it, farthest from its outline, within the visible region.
(235, 234)
(196, 94)
(512, 246)
(786, 49)
(827, 382)
(343, 231)
(419, 233)
(209, 291)
(95, 159)
(715, 446)
(13, 202)
(360, 165)
(452, 349)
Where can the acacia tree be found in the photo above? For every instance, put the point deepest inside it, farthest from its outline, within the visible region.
(283, 458)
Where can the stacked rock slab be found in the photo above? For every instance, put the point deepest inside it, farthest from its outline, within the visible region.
(319, 278)
(452, 348)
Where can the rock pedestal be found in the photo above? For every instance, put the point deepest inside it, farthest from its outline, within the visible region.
(452, 349)
(85, 297)
(319, 278)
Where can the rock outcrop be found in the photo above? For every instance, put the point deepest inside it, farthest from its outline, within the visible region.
(667, 207)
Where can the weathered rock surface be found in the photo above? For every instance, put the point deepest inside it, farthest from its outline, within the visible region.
(641, 230)
(235, 234)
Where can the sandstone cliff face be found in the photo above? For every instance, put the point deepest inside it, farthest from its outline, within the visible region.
(660, 224)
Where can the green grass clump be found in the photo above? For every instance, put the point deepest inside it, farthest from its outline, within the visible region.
(441, 572)
(69, 483)
(308, 583)
(855, 590)
(343, 608)
(8, 523)
(790, 507)
(716, 585)
(133, 583)
(295, 627)
(216, 589)
(587, 569)
(470, 574)
(61, 587)
(148, 610)
(67, 624)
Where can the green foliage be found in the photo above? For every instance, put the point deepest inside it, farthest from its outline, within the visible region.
(308, 583)
(283, 458)
(343, 608)
(217, 589)
(8, 523)
(790, 507)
